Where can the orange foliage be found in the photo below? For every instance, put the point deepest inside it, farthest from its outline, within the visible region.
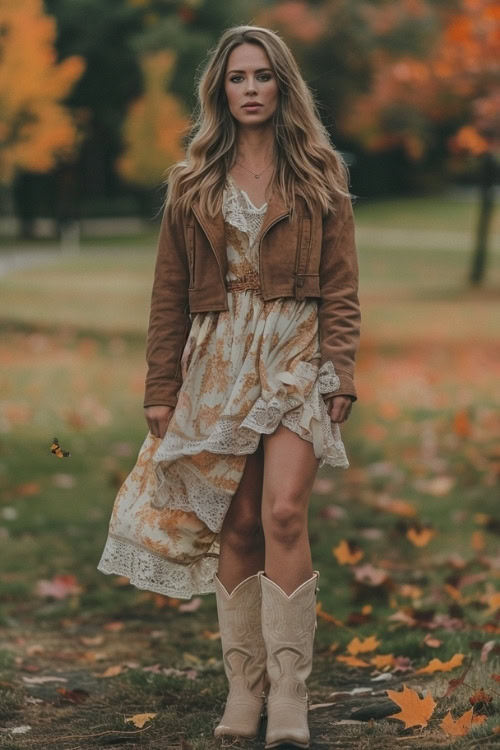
(450, 81)
(154, 125)
(35, 128)
(295, 18)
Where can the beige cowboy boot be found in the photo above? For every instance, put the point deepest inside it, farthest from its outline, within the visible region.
(288, 626)
(244, 656)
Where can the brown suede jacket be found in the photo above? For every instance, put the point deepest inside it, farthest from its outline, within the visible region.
(311, 256)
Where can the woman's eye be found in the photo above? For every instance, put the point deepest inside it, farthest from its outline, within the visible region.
(265, 76)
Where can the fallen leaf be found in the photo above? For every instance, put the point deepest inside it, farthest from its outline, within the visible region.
(399, 507)
(382, 660)
(113, 626)
(432, 642)
(326, 616)
(94, 640)
(420, 537)
(480, 697)
(347, 552)
(17, 730)
(459, 727)
(59, 587)
(140, 719)
(192, 605)
(436, 665)
(77, 695)
(415, 711)
(352, 661)
(370, 575)
(356, 646)
(112, 671)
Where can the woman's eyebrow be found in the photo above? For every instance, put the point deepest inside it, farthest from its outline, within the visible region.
(259, 70)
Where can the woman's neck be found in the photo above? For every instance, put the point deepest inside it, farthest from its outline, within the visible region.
(255, 151)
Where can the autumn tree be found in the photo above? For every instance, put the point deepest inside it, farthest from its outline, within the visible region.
(154, 126)
(36, 130)
(448, 78)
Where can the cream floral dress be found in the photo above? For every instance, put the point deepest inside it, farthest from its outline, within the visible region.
(245, 370)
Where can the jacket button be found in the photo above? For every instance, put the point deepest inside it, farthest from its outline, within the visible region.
(300, 282)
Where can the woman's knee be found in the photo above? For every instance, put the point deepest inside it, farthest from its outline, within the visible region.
(242, 525)
(284, 520)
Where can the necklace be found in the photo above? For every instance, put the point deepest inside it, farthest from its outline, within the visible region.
(255, 175)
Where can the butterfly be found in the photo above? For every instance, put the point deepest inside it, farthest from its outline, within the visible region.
(56, 448)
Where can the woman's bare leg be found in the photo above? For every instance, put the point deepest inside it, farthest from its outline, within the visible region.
(242, 539)
(290, 468)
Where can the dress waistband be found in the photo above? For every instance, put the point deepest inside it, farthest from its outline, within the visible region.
(250, 280)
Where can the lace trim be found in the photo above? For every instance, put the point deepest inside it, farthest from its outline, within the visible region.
(309, 419)
(146, 570)
(328, 378)
(238, 212)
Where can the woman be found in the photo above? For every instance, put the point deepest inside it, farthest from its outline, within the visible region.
(253, 333)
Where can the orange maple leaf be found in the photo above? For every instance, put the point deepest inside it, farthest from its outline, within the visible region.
(420, 537)
(436, 665)
(462, 725)
(326, 616)
(346, 553)
(353, 661)
(415, 711)
(357, 647)
(382, 660)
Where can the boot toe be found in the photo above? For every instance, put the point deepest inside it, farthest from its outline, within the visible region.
(289, 724)
(241, 718)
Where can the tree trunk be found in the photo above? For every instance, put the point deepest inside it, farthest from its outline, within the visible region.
(486, 183)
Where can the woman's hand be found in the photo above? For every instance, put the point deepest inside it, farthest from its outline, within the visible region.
(338, 408)
(158, 418)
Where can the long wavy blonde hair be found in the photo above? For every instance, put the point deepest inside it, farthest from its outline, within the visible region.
(307, 163)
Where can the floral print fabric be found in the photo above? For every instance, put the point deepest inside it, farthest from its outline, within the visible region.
(245, 371)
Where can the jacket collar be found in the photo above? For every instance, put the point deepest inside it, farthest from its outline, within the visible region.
(214, 228)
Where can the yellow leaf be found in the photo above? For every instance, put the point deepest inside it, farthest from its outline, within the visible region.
(140, 719)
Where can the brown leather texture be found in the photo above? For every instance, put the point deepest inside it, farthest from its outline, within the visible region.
(309, 256)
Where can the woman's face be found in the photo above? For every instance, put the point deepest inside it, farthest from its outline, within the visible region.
(249, 78)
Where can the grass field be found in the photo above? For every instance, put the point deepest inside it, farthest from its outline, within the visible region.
(406, 539)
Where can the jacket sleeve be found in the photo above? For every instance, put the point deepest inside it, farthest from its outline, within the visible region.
(339, 311)
(169, 320)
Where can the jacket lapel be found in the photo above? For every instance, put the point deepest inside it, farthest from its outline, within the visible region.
(214, 228)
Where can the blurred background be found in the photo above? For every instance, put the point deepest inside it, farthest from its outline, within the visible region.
(95, 103)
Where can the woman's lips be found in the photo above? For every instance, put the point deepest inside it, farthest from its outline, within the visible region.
(252, 106)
